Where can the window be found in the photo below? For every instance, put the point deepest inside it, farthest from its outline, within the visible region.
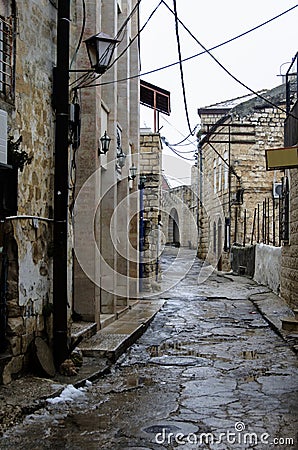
(214, 237)
(226, 170)
(219, 175)
(214, 177)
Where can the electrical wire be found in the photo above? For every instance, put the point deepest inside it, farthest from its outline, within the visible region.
(180, 65)
(180, 156)
(183, 140)
(175, 151)
(136, 36)
(81, 34)
(225, 69)
(86, 83)
(197, 54)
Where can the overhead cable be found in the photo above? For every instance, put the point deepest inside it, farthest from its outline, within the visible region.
(197, 54)
(225, 69)
(180, 65)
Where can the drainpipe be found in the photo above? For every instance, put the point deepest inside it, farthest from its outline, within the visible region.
(141, 242)
(61, 100)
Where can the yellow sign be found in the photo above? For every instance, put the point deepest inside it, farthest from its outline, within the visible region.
(282, 158)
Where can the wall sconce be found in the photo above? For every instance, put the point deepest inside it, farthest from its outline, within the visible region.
(132, 172)
(121, 159)
(104, 144)
(100, 48)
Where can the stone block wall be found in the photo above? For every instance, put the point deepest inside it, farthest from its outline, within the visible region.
(150, 165)
(29, 241)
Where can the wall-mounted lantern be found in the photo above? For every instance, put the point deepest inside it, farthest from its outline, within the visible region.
(132, 172)
(121, 157)
(104, 144)
(100, 48)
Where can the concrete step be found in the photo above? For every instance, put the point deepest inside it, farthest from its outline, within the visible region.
(289, 324)
(114, 339)
(82, 330)
(106, 319)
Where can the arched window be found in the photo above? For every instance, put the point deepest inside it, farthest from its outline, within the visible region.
(214, 237)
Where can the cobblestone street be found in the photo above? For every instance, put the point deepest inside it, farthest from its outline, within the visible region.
(208, 373)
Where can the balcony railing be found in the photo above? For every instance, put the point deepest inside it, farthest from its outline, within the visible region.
(6, 56)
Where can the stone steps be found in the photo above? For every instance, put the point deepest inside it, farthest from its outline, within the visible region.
(115, 338)
(290, 323)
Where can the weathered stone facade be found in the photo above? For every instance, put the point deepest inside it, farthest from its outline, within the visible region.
(28, 241)
(105, 275)
(233, 179)
(289, 260)
(150, 203)
(26, 232)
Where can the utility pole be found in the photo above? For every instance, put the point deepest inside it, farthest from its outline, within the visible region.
(61, 103)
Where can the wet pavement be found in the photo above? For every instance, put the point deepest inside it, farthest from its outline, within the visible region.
(209, 373)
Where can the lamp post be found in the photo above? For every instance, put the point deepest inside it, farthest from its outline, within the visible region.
(100, 49)
(61, 101)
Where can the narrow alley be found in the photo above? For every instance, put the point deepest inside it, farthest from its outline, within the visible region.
(208, 373)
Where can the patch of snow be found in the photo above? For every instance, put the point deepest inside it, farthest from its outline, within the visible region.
(69, 394)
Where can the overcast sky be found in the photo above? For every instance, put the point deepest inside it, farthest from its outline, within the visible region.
(255, 59)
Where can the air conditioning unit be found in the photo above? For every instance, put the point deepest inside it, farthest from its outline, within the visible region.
(3, 137)
(277, 190)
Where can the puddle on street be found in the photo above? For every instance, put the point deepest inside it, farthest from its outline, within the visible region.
(135, 380)
(250, 354)
(173, 348)
(179, 349)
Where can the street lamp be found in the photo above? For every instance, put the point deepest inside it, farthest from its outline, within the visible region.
(132, 172)
(104, 144)
(121, 159)
(100, 48)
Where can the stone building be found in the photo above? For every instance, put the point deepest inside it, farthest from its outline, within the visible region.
(104, 278)
(289, 260)
(150, 191)
(238, 199)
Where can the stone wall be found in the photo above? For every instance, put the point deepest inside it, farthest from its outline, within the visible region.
(150, 166)
(289, 269)
(29, 241)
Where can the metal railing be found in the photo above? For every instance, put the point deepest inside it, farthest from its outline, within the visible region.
(7, 56)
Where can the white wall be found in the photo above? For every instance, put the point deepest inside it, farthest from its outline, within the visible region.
(267, 266)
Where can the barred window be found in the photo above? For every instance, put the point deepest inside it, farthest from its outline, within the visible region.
(6, 56)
